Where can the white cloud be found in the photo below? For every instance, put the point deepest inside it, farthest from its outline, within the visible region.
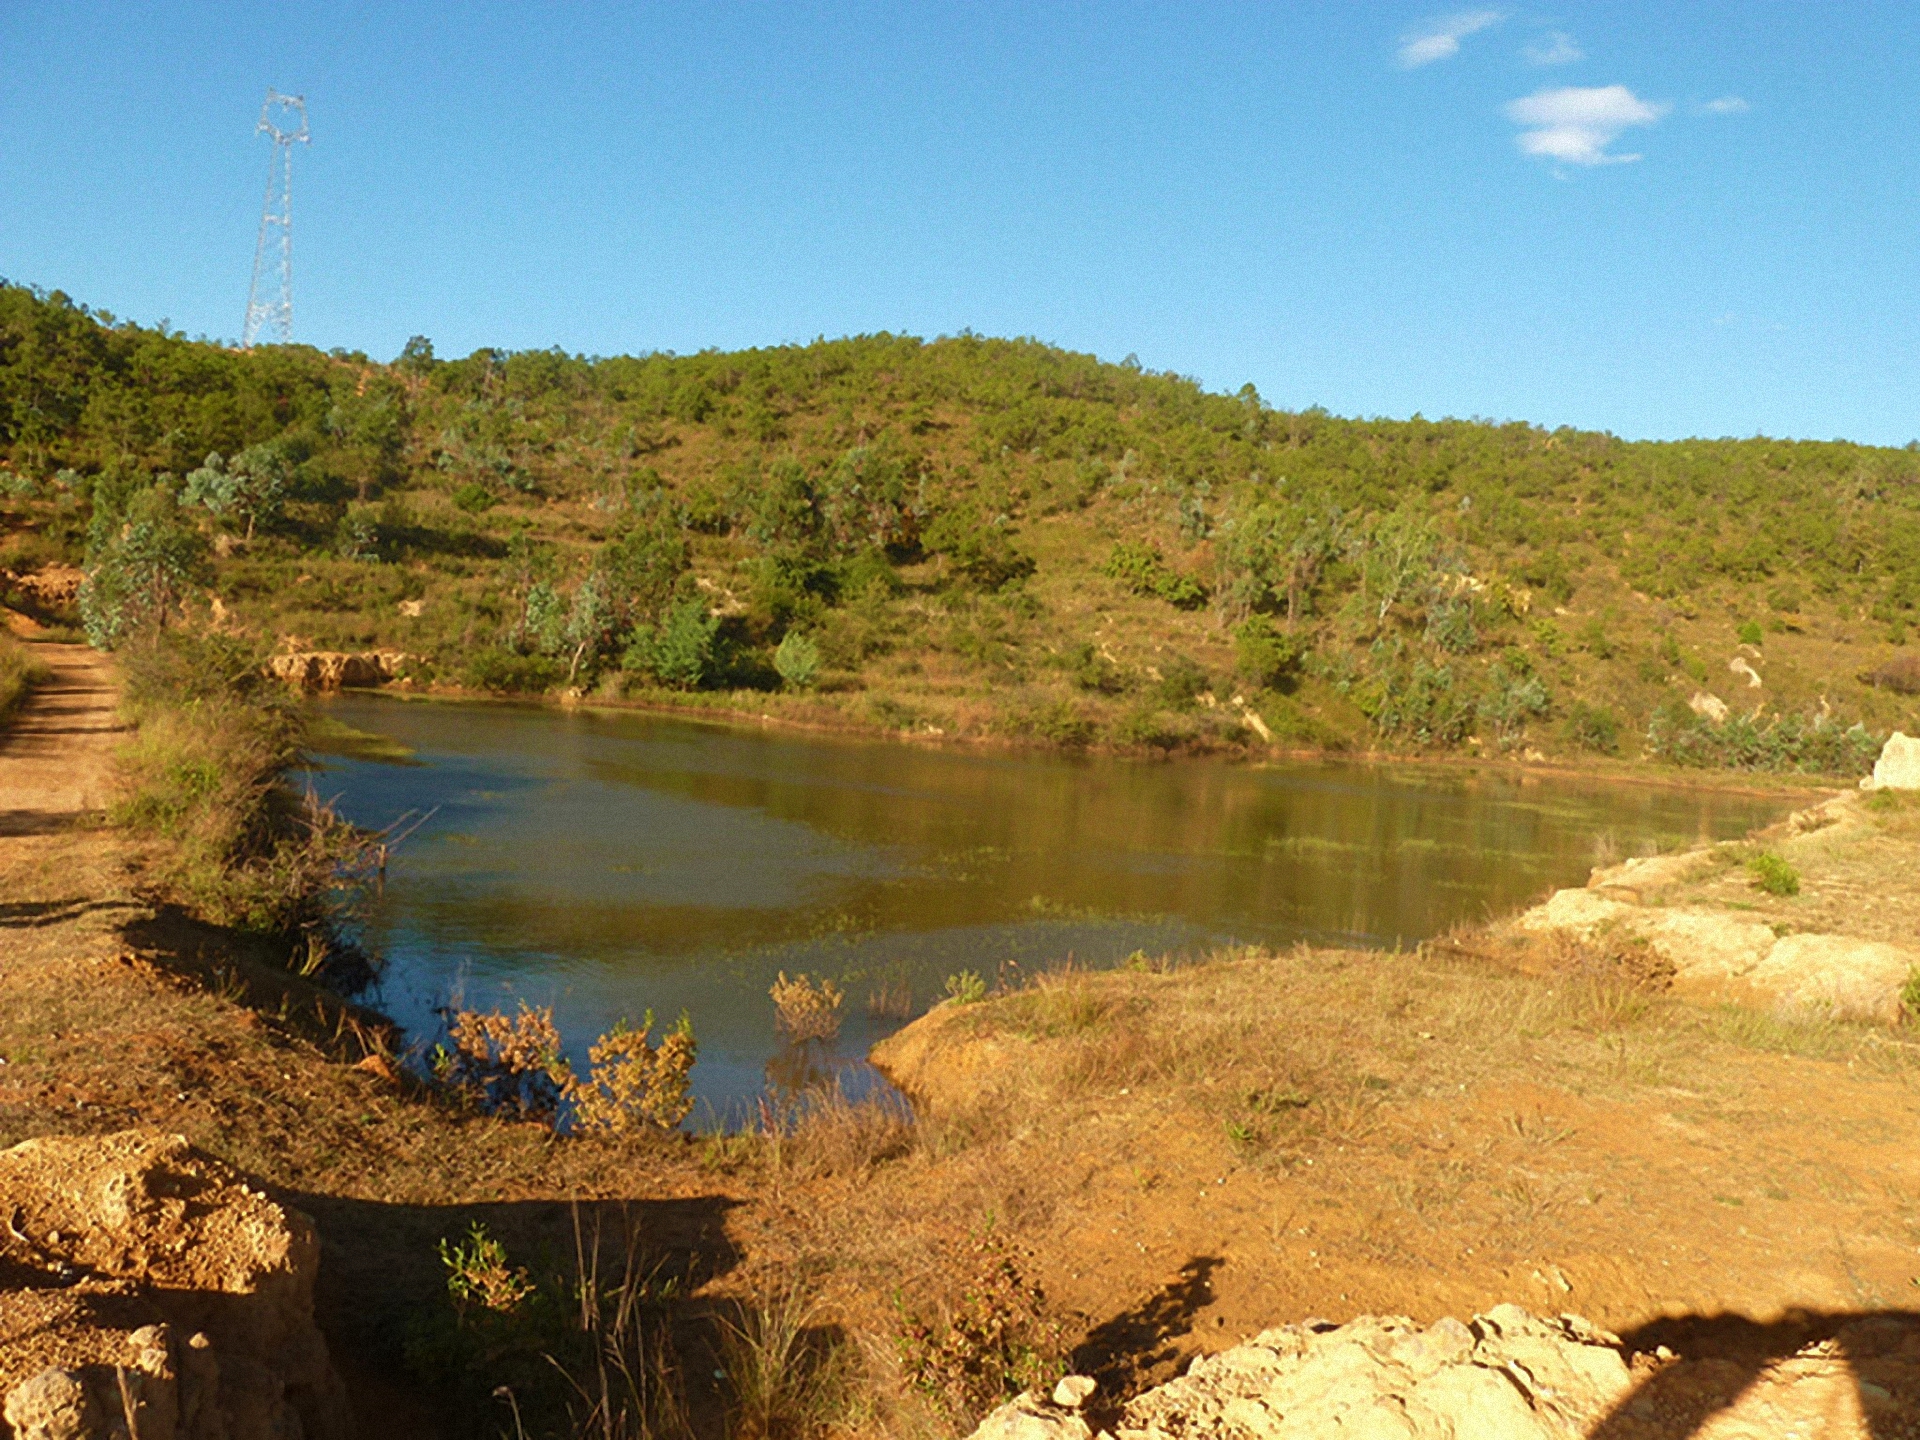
(1577, 123)
(1440, 39)
(1556, 49)
(1727, 105)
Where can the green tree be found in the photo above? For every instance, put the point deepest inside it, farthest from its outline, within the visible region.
(797, 660)
(142, 560)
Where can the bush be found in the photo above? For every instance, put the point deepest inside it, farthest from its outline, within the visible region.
(1181, 683)
(1751, 633)
(806, 1009)
(681, 651)
(1773, 874)
(978, 550)
(1593, 727)
(1091, 670)
(966, 988)
(203, 774)
(1901, 675)
(1816, 746)
(1265, 657)
(797, 660)
(1144, 571)
(1058, 722)
(994, 1340)
(507, 672)
(474, 498)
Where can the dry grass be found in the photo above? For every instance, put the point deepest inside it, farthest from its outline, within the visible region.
(20, 671)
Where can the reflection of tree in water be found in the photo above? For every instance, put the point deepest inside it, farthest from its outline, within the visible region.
(801, 1068)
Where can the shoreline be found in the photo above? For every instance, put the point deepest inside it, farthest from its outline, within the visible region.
(1609, 771)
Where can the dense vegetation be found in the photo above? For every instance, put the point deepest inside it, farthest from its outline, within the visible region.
(969, 536)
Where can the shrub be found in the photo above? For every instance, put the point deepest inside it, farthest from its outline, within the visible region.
(1181, 682)
(681, 651)
(1751, 633)
(1816, 746)
(806, 1009)
(508, 672)
(634, 1084)
(1593, 727)
(966, 988)
(977, 549)
(506, 1066)
(1265, 657)
(797, 660)
(1091, 670)
(479, 1277)
(1595, 640)
(1901, 675)
(994, 1340)
(1773, 874)
(474, 498)
(1144, 571)
(1058, 722)
(142, 561)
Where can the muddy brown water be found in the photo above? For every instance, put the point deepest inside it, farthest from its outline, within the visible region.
(608, 863)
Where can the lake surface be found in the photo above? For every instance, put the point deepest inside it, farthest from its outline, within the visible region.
(605, 863)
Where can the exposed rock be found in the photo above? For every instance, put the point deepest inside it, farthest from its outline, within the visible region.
(413, 609)
(1739, 665)
(1708, 706)
(335, 670)
(1073, 1391)
(1705, 944)
(51, 585)
(1508, 1376)
(1852, 978)
(1582, 912)
(1898, 767)
(140, 1276)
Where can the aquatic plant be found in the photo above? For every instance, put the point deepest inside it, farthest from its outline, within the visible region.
(805, 1008)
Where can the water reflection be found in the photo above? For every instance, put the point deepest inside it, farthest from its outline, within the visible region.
(606, 863)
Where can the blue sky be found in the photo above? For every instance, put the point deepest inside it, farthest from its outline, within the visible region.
(1657, 219)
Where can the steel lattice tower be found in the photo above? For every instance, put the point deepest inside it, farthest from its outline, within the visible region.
(270, 304)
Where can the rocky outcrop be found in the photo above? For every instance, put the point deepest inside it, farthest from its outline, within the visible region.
(148, 1292)
(1730, 953)
(51, 585)
(1505, 1375)
(337, 670)
(1508, 1375)
(1898, 767)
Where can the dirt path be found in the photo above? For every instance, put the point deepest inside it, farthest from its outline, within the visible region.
(54, 757)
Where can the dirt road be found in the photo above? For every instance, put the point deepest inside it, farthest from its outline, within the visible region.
(54, 757)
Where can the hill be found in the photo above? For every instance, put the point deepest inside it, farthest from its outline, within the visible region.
(967, 537)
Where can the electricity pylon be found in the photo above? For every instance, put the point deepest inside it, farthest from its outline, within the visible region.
(274, 251)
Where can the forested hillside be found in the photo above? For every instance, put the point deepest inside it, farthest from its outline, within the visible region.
(966, 536)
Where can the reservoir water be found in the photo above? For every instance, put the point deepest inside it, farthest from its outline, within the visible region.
(606, 862)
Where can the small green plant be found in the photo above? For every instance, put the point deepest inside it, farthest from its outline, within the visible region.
(474, 498)
(797, 660)
(1910, 996)
(479, 1277)
(1751, 633)
(966, 988)
(1773, 874)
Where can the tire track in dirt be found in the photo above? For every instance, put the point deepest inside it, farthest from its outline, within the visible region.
(55, 756)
